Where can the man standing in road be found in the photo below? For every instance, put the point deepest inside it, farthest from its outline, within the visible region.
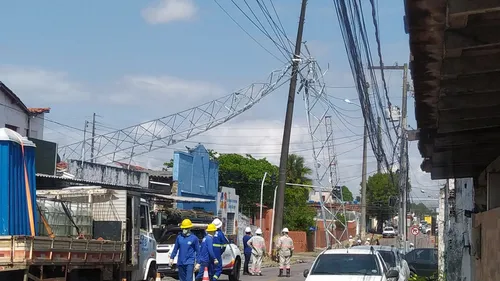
(206, 257)
(258, 245)
(284, 247)
(187, 246)
(220, 244)
(247, 250)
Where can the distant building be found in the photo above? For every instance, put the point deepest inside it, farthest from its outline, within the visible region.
(15, 115)
(195, 175)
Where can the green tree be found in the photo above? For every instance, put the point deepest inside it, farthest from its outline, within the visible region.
(380, 188)
(244, 174)
(421, 210)
(296, 170)
(169, 164)
(298, 215)
(347, 194)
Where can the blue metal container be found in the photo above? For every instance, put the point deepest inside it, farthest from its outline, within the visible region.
(16, 208)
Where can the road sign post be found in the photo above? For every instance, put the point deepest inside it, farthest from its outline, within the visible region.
(414, 230)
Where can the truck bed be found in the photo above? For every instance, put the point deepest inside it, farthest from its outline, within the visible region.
(17, 252)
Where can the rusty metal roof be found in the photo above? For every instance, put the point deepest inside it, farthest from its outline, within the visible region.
(455, 67)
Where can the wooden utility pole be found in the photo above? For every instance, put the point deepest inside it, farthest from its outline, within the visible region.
(362, 220)
(285, 146)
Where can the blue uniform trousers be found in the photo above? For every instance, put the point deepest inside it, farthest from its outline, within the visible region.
(186, 272)
(218, 267)
(210, 266)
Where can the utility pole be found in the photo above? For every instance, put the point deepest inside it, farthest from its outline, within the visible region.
(285, 146)
(86, 124)
(363, 183)
(92, 144)
(403, 163)
(403, 168)
(379, 145)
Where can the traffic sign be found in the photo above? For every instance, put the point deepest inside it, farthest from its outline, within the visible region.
(414, 230)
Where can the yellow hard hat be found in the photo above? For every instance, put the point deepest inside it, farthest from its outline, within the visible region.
(211, 227)
(186, 223)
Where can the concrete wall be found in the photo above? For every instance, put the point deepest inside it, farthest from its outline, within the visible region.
(487, 255)
(196, 176)
(107, 174)
(15, 116)
(458, 258)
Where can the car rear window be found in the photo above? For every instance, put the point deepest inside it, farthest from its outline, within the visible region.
(346, 264)
(388, 257)
(169, 236)
(389, 229)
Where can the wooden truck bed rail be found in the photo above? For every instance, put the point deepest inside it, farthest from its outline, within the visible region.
(16, 251)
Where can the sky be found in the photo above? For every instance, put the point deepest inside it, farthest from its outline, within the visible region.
(134, 61)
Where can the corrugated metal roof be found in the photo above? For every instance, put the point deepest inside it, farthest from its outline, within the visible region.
(151, 193)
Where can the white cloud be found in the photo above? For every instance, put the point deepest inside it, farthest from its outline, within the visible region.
(165, 11)
(38, 87)
(140, 88)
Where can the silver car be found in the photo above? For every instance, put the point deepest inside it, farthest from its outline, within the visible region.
(393, 259)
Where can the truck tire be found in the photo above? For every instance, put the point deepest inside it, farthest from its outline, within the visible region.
(235, 273)
(152, 272)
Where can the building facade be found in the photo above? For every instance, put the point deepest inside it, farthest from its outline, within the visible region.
(195, 175)
(15, 115)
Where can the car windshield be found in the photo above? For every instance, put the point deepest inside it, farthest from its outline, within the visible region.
(388, 229)
(346, 264)
(388, 257)
(170, 235)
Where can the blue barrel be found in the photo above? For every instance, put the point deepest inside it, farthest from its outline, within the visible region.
(18, 213)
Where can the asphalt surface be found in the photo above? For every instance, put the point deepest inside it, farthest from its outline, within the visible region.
(420, 241)
(269, 274)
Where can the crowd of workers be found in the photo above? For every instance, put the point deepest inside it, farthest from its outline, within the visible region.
(194, 257)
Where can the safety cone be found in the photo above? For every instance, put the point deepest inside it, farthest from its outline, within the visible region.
(158, 277)
(205, 275)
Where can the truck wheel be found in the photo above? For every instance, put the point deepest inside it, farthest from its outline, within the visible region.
(235, 273)
(152, 272)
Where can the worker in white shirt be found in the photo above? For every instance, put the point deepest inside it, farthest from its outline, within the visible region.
(258, 245)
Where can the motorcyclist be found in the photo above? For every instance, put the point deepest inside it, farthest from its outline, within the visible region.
(285, 249)
(186, 245)
(247, 250)
(220, 243)
(206, 257)
(258, 245)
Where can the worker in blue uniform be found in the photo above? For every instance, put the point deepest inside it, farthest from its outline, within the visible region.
(220, 243)
(247, 250)
(206, 257)
(187, 245)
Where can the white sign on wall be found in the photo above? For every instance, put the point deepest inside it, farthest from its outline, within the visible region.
(227, 209)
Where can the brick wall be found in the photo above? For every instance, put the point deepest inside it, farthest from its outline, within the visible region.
(486, 268)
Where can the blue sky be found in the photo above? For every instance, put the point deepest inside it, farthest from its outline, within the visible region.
(132, 61)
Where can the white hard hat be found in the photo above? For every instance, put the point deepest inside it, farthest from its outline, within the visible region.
(411, 244)
(248, 230)
(359, 241)
(367, 239)
(217, 223)
(350, 236)
(258, 231)
(285, 230)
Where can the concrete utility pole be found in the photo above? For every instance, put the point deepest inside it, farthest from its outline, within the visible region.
(403, 167)
(363, 183)
(84, 140)
(92, 144)
(379, 145)
(285, 146)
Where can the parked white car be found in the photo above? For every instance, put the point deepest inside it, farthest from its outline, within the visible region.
(231, 259)
(389, 232)
(394, 260)
(353, 264)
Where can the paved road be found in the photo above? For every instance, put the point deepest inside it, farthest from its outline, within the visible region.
(420, 241)
(271, 274)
